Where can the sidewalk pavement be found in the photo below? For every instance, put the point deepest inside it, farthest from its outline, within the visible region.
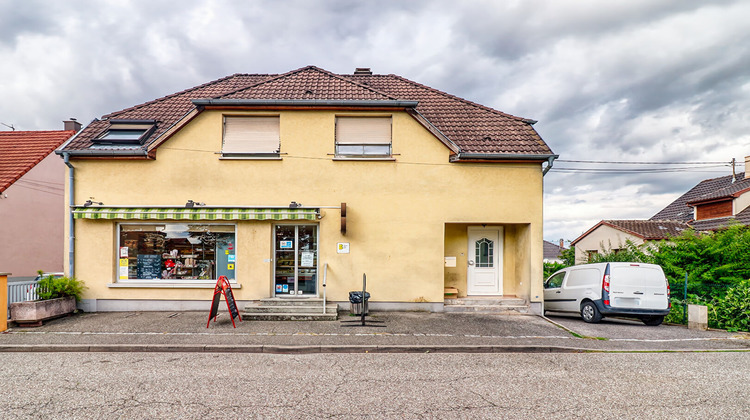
(402, 332)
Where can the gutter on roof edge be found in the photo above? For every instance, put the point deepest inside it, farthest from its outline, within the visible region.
(506, 156)
(104, 152)
(306, 102)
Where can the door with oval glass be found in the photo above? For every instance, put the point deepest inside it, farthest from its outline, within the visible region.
(485, 264)
(295, 260)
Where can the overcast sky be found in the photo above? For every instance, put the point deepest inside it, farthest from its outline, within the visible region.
(625, 80)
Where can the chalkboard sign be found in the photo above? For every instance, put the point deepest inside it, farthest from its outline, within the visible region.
(149, 266)
(223, 288)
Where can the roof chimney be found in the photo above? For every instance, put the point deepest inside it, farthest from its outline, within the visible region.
(362, 70)
(72, 124)
(747, 167)
(562, 244)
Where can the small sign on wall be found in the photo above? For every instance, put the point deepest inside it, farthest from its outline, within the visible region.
(450, 261)
(342, 247)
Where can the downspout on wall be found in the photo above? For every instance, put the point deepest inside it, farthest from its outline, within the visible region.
(71, 220)
(550, 160)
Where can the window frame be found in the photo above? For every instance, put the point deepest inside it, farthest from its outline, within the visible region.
(338, 155)
(161, 282)
(231, 155)
(146, 128)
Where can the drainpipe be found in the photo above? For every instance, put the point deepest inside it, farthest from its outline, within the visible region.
(71, 222)
(549, 165)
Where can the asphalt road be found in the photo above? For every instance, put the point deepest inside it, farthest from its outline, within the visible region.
(550, 386)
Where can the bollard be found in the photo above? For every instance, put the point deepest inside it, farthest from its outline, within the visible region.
(697, 317)
(4, 300)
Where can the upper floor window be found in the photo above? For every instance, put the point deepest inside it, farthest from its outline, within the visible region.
(125, 132)
(363, 137)
(251, 137)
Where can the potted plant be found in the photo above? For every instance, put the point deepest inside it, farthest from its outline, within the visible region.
(57, 297)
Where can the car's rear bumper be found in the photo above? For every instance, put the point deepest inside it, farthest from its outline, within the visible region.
(608, 310)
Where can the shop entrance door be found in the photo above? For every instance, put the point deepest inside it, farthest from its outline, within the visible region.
(295, 260)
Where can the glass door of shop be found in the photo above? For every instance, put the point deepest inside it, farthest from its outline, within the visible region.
(296, 260)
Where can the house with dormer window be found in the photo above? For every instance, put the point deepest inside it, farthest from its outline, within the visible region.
(295, 185)
(710, 205)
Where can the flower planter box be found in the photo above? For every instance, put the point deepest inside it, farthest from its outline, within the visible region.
(32, 313)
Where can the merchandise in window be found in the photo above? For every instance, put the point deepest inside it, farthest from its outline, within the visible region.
(176, 251)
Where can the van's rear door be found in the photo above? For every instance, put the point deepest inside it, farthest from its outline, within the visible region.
(637, 286)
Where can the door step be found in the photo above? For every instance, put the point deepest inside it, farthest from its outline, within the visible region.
(487, 305)
(290, 309)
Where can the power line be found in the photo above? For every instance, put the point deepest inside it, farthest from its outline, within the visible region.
(646, 163)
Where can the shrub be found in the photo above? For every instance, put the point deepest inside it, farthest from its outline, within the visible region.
(52, 287)
(732, 311)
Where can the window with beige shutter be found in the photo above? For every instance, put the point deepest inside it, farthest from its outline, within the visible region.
(363, 137)
(251, 137)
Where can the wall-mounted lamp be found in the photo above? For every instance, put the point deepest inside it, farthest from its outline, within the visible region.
(90, 203)
(190, 204)
(294, 205)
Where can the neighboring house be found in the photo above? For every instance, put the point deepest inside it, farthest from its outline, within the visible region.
(280, 181)
(612, 235)
(552, 252)
(31, 201)
(710, 205)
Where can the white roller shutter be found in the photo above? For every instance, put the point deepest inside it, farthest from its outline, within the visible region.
(251, 135)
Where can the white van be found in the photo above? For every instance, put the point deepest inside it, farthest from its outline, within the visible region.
(606, 289)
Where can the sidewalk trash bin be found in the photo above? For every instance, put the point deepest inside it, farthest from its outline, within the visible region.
(356, 304)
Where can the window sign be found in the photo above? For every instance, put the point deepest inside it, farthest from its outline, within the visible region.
(123, 252)
(307, 259)
(231, 258)
(286, 245)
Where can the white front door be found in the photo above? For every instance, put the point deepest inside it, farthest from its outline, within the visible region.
(485, 264)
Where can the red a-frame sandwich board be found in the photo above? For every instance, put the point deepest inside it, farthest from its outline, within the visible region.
(223, 288)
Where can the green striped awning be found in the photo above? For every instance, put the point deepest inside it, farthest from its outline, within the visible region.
(195, 213)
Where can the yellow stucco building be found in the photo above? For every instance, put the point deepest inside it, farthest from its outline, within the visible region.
(281, 182)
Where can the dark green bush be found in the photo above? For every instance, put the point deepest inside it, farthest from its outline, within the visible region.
(52, 287)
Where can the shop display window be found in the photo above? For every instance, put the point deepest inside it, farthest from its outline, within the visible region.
(176, 251)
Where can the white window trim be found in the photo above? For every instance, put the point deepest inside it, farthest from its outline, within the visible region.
(162, 283)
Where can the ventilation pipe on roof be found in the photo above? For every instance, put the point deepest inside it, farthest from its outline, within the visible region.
(71, 221)
(549, 165)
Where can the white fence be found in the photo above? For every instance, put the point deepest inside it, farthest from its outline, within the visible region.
(22, 291)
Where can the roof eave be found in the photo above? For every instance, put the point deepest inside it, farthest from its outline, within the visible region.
(306, 102)
(473, 157)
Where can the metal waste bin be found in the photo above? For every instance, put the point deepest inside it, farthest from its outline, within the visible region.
(356, 304)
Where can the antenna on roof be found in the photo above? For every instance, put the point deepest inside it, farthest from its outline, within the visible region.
(9, 126)
(734, 174)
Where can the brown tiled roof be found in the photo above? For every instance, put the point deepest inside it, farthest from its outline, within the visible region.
(730, 191)
(167, 110)
(648, 230)
(22, 150)
(680, 210)
(742, 217)
(551, 251)
(472, 127)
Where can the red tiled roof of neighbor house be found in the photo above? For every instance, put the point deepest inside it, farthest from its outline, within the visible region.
(649, 230)
(22, 150)
(473, 128)
(680, 210)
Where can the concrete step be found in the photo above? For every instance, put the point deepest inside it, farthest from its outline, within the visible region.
(491, 301)
(261, 308)
(487, 309)
(292, 301)
(271, 316)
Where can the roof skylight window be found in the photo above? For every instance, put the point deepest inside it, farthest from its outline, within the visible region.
(128, 132)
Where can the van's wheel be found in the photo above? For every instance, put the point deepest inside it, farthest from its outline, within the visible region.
(653, 321)
(590, 313)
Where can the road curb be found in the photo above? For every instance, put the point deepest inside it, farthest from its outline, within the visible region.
(320, 349)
